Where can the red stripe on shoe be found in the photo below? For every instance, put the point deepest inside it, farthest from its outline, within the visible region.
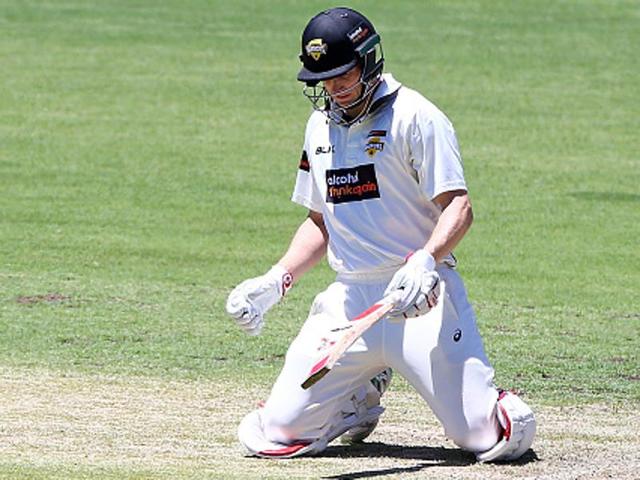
(284, 451)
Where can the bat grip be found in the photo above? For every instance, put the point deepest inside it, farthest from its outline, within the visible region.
(393, 298)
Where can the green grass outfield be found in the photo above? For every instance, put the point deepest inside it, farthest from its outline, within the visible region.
(148, 151)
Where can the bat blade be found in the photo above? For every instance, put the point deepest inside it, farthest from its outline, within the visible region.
(359, 325)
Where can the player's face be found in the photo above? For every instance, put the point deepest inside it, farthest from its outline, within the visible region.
(345, 89)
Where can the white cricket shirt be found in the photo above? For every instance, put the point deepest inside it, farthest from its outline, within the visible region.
(374, 181)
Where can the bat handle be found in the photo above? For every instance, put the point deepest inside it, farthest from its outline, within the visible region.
(393, 298)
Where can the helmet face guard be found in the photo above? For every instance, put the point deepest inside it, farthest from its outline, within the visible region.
(371, 70)
(333, 43)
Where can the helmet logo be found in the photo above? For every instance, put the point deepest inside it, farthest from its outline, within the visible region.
(316, 48)
(358, 34)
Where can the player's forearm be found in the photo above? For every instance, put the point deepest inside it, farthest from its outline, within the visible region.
(308, 246)
(452, 225)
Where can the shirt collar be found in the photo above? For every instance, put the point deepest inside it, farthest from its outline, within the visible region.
(388, 86)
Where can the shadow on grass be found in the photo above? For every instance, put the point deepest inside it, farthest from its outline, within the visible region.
(429, 456)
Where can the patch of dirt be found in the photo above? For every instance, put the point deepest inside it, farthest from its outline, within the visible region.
(44, 298)
(180, 429)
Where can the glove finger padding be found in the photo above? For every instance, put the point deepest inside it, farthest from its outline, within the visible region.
(243, 312)
(250, 300)
(425, 300)
(254, 325)
(431, 288)
(419, 285)
(419, 307)
(238, 306)
(409, 293)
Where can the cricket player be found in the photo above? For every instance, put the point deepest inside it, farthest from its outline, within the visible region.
(382, 178)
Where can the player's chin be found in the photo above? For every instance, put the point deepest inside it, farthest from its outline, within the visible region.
(344, 101)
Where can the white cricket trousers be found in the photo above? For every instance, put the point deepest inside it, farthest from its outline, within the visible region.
(440, 354)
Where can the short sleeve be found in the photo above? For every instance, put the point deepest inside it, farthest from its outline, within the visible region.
(306, 191)
(435, 153)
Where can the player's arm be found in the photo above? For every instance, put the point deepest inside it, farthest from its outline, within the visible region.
(453, 224)
(249, 301)
(308, 246)
(417, 281)
(436, 159)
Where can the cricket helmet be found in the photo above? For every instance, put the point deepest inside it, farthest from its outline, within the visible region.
(335, 41)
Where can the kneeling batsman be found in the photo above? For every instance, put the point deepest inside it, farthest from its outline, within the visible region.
(415, 289)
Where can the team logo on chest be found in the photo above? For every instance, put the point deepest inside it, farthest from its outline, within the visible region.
(374, 143)
(352, 184)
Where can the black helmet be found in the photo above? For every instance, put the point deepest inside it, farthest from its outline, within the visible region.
(335, 41)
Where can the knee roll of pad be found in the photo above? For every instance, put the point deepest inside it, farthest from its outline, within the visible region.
(519, 426)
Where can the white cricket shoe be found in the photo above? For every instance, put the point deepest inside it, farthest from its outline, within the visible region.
(376, 387)
(519, 426)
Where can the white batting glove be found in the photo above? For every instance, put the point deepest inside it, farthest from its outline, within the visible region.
(418, 283)
(249, 301)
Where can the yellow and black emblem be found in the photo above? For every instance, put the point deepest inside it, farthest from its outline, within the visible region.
(374, 145)
(316, 48)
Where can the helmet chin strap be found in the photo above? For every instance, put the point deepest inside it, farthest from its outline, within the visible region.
(341, 115)
(322, 101)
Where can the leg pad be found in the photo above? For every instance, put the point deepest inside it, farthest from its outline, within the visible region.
(519, 426)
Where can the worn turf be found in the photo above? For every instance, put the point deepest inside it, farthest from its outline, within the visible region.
(115, 427)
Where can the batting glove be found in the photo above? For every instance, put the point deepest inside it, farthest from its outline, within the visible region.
(249, 301)
(418, 283)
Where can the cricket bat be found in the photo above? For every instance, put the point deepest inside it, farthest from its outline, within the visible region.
(358, 326)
